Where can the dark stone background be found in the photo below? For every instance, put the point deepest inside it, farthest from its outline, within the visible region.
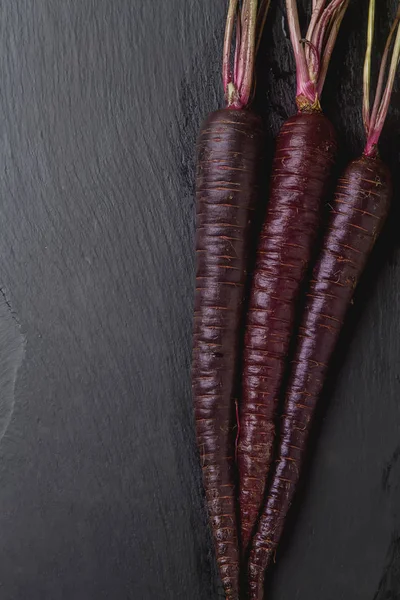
(100, 493)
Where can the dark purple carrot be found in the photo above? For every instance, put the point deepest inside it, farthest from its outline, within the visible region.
(230, 147)
(360, 207)
(302, 166)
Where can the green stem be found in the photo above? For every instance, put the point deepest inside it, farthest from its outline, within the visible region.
(367, 66)
(376, 126)
(230, 22)
(382, 70)
(249, 18)
(247, 50)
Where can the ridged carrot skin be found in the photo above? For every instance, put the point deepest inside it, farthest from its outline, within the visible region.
(305, 153)
(359, 210)
(230, 150)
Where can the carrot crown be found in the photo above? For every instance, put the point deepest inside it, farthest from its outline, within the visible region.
(374, 119)
(313, 53)
(238, 73)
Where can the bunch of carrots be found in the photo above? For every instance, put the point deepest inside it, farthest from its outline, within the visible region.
(250, 472)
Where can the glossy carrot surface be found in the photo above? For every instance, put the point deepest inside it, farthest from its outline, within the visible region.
(229, 156)
(359, 210)
(304, 157)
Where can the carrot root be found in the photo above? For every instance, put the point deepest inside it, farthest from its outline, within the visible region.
(229, 153)
(304, 157)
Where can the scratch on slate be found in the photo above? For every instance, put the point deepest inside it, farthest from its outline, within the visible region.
(12, 350)
(386, 475)
(387, 587)
(284, 28)
(388, 584)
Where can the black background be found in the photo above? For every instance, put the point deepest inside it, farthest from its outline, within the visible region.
(100, 492)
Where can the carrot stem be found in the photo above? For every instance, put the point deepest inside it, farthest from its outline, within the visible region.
(367, 66)
(318, 7)
(247, 50)
(313, 60)
(302, 74)
(379, 87)
(313, 54)
(238, 43)
(324, 23)
(330, 44)
(376, 125)
(249, 18)
(230, 22)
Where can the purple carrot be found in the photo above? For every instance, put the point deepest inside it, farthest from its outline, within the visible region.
(302, 166)
(230, 148)
(359, 210)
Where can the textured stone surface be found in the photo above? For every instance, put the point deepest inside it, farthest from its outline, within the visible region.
(100, 489)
